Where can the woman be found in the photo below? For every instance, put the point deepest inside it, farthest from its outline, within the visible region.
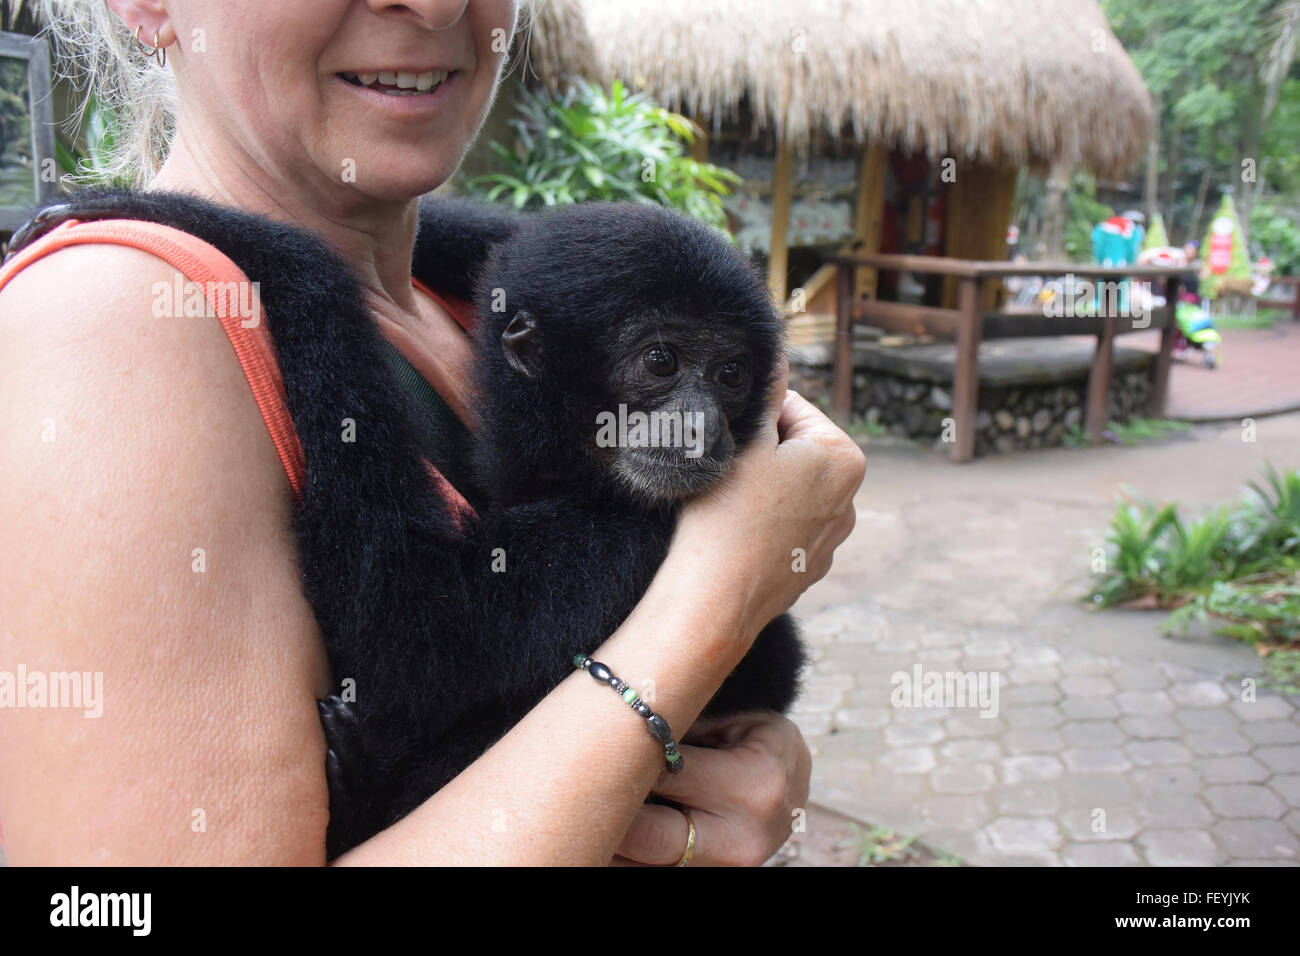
(133, 444)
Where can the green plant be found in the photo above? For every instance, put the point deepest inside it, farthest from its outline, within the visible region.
(882, 845)
(92, 165)
(1083, 211)
(1076, 436)
(1282, 671)
(1276, 236)
(861, 428)
(1253, 612)
(1262, 319)
(1235, 569)
(591, 145)
(1143, 429)
(1136, 540)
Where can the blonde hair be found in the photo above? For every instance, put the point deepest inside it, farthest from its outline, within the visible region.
(97, 53)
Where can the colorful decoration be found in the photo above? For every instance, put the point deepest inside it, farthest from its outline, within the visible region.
(1156, 235)
(1225, 250)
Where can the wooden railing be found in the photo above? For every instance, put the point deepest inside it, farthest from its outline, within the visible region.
(968, 327)
(1292, 304)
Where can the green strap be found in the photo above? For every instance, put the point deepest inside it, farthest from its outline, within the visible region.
(444, 439)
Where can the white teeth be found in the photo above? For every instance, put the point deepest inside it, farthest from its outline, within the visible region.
(405, 84)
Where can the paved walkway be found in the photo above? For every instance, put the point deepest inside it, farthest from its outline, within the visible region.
(1259, 374)
(1111, 744)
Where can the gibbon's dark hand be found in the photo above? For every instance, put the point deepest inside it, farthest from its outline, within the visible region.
(745, 778)
(769, 531)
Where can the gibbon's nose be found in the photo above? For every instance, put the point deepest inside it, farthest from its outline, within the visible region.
(706, 431)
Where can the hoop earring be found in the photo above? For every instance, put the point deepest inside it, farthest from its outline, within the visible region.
(158, 53)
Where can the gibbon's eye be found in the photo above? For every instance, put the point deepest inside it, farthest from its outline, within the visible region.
(659, 361)
(732, 374)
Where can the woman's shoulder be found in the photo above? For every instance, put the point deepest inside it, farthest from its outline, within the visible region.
(145, 290)
(95, 317)
(103, 377)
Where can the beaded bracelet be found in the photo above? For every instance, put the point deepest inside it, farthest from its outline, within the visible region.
(657, 726)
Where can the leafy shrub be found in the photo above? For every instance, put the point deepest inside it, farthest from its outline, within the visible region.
(1237, 568)
(591, 145)
(1277, 237)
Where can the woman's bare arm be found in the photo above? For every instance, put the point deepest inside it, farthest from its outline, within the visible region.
(144, 536)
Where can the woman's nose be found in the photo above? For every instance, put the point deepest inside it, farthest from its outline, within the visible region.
(432, 14)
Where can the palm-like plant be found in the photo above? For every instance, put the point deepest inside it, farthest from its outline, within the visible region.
(1239, 566)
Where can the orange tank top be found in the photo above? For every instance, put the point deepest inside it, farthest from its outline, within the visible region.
(211, 270)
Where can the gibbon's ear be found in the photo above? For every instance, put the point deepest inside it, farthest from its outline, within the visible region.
(522, 341)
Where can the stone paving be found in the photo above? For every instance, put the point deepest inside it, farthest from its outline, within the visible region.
(1109, 744)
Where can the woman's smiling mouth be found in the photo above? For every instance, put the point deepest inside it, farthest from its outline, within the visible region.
(392, 83)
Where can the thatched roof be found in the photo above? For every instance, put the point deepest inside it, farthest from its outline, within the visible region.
(1041, 81)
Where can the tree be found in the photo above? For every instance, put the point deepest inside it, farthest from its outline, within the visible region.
(1221, 72)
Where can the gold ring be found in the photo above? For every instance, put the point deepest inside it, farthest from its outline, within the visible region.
(690, 842)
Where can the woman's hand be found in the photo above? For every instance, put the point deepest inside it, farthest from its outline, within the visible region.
(769, 531)
(745, 777)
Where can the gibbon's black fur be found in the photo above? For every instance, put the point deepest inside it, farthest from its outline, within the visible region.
(576, 309)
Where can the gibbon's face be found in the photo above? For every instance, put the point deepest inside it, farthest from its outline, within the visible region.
(381, 96)
(662, 399)
(689, 381)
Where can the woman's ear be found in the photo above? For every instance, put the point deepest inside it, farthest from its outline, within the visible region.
(149, 17)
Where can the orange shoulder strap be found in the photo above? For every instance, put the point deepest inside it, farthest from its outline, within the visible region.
(206, 267)
(459, 309)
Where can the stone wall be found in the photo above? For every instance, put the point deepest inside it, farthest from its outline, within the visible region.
(1013, 415)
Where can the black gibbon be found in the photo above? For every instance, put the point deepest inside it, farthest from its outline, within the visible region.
(623, 354)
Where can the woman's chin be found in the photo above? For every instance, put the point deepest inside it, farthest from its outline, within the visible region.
(399, 185)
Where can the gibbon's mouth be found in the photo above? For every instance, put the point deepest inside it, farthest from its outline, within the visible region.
(394, 83)
(667, 479)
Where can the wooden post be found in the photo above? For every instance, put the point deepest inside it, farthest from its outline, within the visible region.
(700, 147)
(1295, 304)
(1099, 378)
(778, 255)
(966, 369)
(842, 368)
(869, 214)
(1165, 357)
(978, 211)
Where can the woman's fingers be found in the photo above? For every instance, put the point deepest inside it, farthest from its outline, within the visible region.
(776, 398)
(658, 836)
(709, 778)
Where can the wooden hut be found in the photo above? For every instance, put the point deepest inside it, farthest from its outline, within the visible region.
(971, 90)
